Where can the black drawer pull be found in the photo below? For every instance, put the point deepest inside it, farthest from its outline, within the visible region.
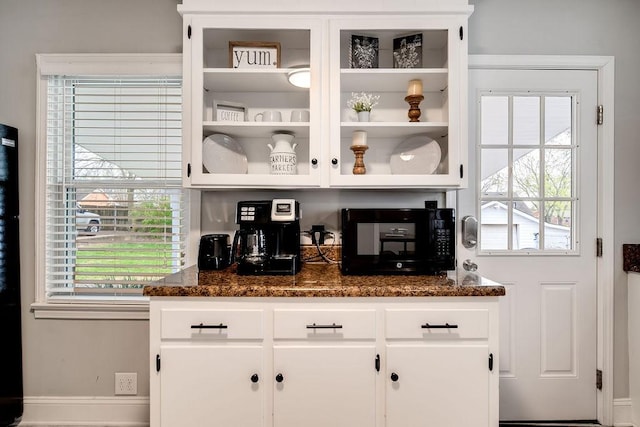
(203, 326)
(332, 326)
(445, 326)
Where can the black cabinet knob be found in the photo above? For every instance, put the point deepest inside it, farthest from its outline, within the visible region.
(255, 378)
(394, 377)
(314, 161)
(334, 161)
(279, 378)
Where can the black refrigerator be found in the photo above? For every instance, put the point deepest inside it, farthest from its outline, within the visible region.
(10, 326)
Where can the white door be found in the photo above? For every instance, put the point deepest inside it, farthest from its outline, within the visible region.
(533, 188)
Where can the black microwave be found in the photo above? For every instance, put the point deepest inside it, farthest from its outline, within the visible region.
(398, 241)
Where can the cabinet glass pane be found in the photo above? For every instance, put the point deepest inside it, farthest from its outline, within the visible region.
(248, 100)
(381, 63)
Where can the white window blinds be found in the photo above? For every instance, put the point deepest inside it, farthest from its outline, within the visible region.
(116, 215)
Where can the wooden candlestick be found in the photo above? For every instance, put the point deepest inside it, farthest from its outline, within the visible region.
(358, 166)
(414, 109)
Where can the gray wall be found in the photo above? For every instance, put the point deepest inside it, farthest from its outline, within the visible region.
(72, 357)
(77, 357)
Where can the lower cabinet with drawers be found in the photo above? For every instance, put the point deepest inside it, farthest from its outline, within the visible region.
(339, 362)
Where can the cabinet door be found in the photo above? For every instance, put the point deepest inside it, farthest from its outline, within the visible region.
(239, 69)
(211, 386)
(437, 386)
(394, 52)
(324, 386)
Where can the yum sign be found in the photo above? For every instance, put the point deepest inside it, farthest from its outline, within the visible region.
(254, 54)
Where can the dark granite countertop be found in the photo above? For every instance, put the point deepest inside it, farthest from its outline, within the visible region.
(631, 258)
(320, 280)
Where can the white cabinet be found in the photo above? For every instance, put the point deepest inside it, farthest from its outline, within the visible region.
(286, 362)
(401, 153)
(324, 358)
(324, 385)
(322, 41)
(212, 385)
(208, 366)
(437, 359)
(211, 86)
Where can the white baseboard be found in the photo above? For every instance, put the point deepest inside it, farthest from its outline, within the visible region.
(130, 411)
(134, 411)
(622, 416)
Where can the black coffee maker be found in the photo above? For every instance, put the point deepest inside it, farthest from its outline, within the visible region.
(268, 241)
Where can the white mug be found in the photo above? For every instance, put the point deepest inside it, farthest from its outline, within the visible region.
(299, 115)
(269, 116)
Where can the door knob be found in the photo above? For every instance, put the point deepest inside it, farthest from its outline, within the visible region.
(255, 378)
(394, 377)
(279, 378)
(469, 265)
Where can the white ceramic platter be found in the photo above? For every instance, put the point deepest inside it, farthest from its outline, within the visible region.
(222, 154)
(417, 155)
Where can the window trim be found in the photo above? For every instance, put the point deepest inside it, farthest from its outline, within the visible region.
(136, 308)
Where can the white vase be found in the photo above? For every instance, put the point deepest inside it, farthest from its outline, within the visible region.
(283, 157)
(363, 116)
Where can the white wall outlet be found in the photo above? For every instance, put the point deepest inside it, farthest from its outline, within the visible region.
(126, 383)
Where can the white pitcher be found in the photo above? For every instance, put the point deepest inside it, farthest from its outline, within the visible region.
(283, 156)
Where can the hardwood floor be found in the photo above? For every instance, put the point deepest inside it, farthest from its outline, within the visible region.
(550, 424)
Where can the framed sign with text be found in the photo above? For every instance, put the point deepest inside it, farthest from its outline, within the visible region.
(224, 111)
(254, 54)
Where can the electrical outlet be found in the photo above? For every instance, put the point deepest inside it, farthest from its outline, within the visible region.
(126, 383)
(319, 231)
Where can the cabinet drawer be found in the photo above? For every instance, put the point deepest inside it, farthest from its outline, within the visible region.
(211, 324)
(339, 324)
(448, 324)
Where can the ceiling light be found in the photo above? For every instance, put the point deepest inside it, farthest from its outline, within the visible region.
(300, 77)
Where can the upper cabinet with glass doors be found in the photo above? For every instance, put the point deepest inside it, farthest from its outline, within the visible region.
(246, 125)
(394, 62)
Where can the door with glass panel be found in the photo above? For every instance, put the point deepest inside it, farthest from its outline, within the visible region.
(533, 155)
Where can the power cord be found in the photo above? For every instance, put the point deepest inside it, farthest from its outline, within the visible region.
(319, 240)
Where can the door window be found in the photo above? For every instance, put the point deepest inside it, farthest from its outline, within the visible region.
(527, 172)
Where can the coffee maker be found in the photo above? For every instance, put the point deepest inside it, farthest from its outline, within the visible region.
(268, 240)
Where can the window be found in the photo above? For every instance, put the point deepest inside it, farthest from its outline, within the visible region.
(115, 216)
(527, 172)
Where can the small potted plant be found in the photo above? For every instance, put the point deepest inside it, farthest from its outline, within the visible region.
(362, 103)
